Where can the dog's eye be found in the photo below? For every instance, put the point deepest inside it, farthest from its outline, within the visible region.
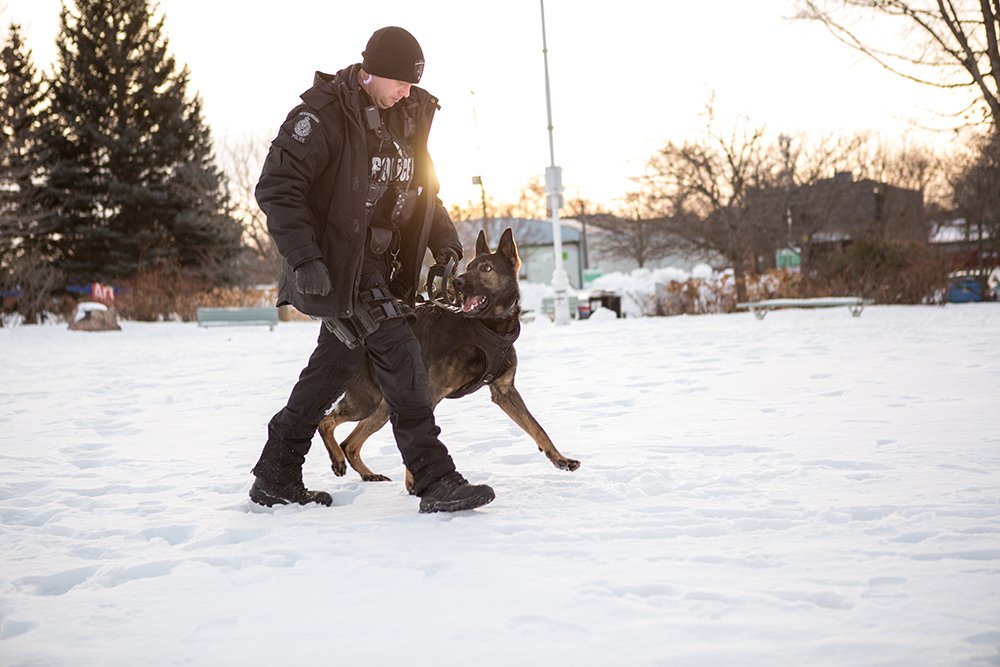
(486, 267)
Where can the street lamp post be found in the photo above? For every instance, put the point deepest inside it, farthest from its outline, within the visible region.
(478, 180)
(553, 191)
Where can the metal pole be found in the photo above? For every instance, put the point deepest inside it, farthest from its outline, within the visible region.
(553, 189)
(482, 191)
(478, 180)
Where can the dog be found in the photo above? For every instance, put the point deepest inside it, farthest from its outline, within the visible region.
(464, 349)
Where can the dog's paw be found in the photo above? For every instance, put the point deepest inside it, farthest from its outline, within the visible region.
(567, 464)
(375, 477)
(339, 468)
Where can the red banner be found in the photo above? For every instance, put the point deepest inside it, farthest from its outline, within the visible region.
(103, 293)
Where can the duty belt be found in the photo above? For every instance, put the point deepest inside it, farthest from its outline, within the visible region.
(376, 306)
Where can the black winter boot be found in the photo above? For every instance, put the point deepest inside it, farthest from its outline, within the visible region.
(452, 493)
(267, 493)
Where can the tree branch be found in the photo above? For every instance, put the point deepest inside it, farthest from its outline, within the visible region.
(992, 49)
(845, 36)
(969, 61)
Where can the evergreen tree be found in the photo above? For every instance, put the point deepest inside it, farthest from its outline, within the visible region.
(25, 253)
(133, 176)
(21, 160)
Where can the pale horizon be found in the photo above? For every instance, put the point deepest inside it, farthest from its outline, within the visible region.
(625, 78)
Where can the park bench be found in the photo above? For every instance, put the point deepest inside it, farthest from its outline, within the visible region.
(761, 308)
(549, 306)
(208, 317)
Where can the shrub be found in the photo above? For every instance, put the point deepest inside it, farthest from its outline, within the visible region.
(36, 283)
(169, 294)
(717, 293)
(882, 271)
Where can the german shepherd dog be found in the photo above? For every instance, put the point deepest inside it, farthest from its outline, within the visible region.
(463, 349)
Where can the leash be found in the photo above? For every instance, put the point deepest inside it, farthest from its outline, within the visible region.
(443, 299)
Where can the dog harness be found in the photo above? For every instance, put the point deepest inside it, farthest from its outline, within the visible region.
(451, 331)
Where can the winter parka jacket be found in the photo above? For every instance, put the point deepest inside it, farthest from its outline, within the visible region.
(313, 189)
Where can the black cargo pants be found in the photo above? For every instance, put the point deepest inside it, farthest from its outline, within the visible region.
(399, 368)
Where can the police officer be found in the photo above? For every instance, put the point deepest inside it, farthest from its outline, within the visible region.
(350, 196)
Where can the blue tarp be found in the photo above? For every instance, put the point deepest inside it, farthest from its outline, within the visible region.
(87, 290)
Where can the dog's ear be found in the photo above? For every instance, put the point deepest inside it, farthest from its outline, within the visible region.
(508, 249)
(482, 247)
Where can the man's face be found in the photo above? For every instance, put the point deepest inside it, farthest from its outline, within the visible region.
(387, 92)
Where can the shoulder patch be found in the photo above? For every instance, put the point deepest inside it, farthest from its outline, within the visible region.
(303, 126)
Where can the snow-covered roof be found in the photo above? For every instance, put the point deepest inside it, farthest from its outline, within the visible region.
(956, 231)
(533, 231)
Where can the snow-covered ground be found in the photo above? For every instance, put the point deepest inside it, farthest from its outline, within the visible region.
(810, 489)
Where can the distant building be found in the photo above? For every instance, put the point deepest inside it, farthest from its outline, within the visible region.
(584, 254)
(843, 208)
(534, 244)
(968, 246)
(839, 210)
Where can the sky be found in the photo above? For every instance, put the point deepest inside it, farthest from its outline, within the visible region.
(625, 77)
(809, 489)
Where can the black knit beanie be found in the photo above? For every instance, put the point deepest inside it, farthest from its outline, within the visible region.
(393, 53)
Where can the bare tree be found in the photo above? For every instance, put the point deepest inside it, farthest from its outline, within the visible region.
(583, 210)
(821, 180)
(977, 199)
(242, 159)
(577, 206)
(906, 164)
(704, 186)
(35, 280)
(792, 208)
(951, 44)
(641, 235)
(531, 204)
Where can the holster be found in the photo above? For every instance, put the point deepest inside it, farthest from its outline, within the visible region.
(376, 306)
(344, 330)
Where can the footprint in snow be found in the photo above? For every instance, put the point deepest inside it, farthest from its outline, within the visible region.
(57, 583)
(11, 628)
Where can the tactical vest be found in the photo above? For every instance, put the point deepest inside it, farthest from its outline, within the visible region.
(441, 332)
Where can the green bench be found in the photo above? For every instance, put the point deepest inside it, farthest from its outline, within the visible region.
(761, 308)
(208, 317)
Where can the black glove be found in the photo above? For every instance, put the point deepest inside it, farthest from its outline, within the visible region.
(444, 255)
(312, 278)
(445, 263)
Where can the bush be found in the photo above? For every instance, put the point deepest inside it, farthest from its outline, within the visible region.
(716, 293)
(170, 294)
(882, 271)
(37, 284)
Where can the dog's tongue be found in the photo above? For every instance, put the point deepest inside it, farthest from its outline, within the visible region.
(472, 303)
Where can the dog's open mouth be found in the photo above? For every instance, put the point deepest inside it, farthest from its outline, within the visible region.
(473, 304)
